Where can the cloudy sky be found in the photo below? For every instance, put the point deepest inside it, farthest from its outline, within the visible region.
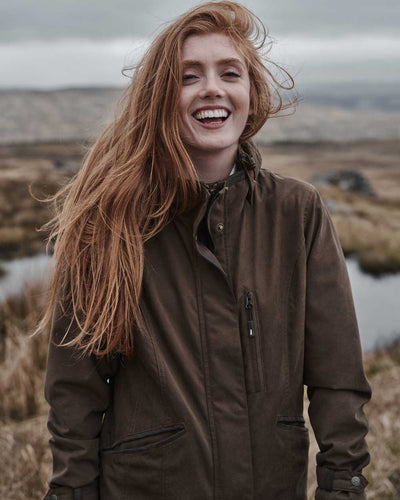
(58, 43)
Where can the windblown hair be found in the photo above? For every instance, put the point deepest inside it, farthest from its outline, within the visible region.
(136, 178)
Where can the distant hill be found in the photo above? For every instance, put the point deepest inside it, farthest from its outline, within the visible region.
(80, 114)
(365, 95)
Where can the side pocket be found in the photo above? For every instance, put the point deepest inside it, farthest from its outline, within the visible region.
(146, 440)
(251, 343)
(291, 457)
(292, 423)
(137, 466)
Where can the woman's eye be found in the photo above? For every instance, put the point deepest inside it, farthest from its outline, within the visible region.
(187, 78)
(232, 74)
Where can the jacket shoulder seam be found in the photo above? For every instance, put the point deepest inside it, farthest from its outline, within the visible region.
(307, 186)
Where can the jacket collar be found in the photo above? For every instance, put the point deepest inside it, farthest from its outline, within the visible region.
(248, 163)
(250, 160)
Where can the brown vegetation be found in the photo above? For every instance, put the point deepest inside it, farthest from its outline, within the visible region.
(22, 357)
(370, 230)
(20, 214)
(24, 452)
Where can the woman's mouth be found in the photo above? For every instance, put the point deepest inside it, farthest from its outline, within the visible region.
(211, 116)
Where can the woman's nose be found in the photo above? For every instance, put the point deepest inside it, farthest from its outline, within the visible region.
(211, 87)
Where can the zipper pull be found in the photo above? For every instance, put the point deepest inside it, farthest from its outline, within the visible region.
(249, 300)
(251, 329)
(249, 308)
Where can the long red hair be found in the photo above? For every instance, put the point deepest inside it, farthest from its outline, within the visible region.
(136, 177)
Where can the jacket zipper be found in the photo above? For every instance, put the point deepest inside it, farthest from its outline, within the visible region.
(249, 308)
(253, 340)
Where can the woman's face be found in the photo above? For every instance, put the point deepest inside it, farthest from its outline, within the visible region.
(215, 97)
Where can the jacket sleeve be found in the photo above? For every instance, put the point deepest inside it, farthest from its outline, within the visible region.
(78, 391)
(333, 371)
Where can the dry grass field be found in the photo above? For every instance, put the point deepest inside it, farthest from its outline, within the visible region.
(27, 171)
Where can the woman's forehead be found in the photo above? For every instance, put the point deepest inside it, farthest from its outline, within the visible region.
(216, 46)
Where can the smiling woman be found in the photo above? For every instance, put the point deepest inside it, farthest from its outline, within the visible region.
(214, 104)
(195, 293)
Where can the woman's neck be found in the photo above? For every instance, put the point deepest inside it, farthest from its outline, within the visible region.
(213, 167)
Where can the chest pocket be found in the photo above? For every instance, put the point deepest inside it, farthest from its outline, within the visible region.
(251, 343)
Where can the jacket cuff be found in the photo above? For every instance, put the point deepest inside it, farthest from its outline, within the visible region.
(87, 492)
(331, 480)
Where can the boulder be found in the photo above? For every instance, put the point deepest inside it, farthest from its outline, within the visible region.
(347, 180)
(335, 208)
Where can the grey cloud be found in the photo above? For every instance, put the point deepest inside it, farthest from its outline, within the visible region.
(50, 19)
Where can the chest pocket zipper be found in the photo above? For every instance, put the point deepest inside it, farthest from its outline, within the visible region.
(255, 372)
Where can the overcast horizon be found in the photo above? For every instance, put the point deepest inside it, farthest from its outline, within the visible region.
(48, 45)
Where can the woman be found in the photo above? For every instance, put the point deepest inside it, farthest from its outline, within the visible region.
(196, 293)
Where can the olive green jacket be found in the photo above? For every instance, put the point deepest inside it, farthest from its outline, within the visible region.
(245, 298)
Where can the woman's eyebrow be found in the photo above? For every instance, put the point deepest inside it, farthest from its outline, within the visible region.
(221, 62)
(231, 60)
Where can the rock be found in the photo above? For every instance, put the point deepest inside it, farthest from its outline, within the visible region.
(335, 208)
(347, 180)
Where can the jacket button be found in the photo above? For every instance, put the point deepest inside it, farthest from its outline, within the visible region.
(220, 227)
(355, 481)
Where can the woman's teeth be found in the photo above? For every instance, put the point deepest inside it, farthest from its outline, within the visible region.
(211, 113)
